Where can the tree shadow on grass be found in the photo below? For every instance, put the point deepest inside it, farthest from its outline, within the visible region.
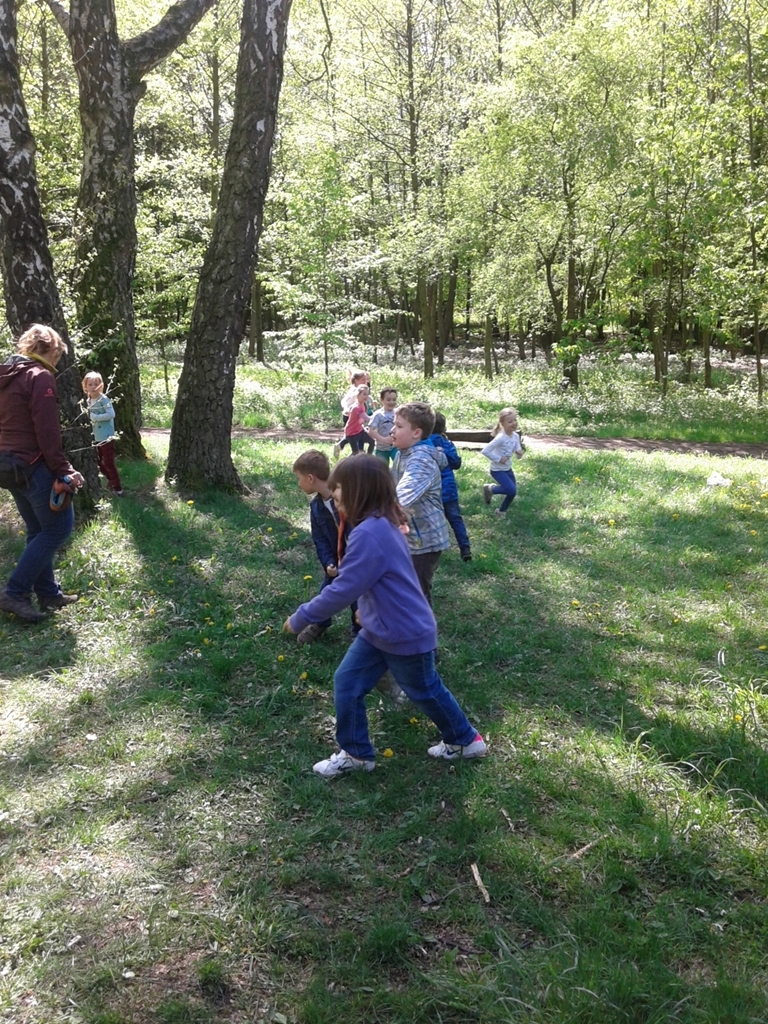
(228, 839)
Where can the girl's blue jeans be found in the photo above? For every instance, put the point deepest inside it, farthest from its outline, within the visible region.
(46, 531)
(505, 484)
(362, 667)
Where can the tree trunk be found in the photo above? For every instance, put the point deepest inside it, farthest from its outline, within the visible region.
(488, 345)
(201, 433)
(29, 286)
(110, 80)
(706, 344)
(446, 311)
(256, 340)
(427, 294)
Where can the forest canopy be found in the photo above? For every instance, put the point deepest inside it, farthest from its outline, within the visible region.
(565, 176)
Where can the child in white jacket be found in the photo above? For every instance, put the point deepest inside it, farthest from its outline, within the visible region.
(499, 452)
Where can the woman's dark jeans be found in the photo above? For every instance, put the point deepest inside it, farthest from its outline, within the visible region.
(46, 531)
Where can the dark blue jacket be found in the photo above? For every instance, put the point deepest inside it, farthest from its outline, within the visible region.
(324, 526)
(450, 491)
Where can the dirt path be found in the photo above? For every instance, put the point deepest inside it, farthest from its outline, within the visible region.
(626, 444)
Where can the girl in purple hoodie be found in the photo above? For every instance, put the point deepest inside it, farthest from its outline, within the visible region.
(398, 630)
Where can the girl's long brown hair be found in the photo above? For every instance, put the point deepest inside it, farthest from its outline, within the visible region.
(367, 489)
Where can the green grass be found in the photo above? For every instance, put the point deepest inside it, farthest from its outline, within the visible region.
(167, 855)
(614, 399)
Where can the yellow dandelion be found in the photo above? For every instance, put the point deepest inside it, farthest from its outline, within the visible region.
(173, 559)
(575, 603)
(577, 479)
(303, 675)
(675, 620)
(269, 529)
(761, 647)
(190, 503)
(753, 532)
(482, 556)
(611, 522)
(280, 657)
(206, 640)
(387, 752)
(229, 625)
(737, 718)
(151, 591)
(674, 515)
(413, 721)
(307, 577)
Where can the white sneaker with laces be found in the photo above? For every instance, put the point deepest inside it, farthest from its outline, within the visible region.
(341, 764)
(453, 752)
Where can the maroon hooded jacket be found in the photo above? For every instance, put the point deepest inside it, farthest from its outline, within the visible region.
(29, 414)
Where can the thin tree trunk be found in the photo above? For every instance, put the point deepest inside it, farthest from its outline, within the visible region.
(110, 78)
(201, 433)
(488, 345)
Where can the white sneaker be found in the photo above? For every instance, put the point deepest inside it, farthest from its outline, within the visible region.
(336, 452)
(487, 493)
(340, 764)
(452, 751)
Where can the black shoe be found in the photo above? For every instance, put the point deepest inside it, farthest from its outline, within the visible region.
(59, 601)
(466, 555)
(20, 606)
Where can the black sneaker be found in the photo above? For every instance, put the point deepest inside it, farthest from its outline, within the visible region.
(466, 555)
(20, 606)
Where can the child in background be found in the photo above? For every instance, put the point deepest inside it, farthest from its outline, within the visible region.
(416, 472)
(499, 451)
(450, 492)
(102, 415)
(354, 428)
(348, 399)
(312, 470)
(398, 630)
(382, 421)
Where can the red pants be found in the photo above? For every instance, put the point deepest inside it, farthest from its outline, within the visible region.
(105, 453)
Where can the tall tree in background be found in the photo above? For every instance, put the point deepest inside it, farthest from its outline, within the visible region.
(200, 451)
(29, 287)
(110, 76)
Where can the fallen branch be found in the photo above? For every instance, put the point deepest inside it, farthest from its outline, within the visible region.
(479, 883)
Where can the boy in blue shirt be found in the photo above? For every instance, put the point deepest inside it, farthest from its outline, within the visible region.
(312, 470)
(449, 489)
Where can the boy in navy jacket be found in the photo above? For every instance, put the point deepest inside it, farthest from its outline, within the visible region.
(450, 491)
(312, 470)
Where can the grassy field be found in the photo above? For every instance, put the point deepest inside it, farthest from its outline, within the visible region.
(614, 399)
(168, 856)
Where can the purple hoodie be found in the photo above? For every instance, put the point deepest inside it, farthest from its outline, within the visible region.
(377, 572)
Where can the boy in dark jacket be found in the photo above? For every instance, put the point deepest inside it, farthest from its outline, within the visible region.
(450, 491)
(312, 470)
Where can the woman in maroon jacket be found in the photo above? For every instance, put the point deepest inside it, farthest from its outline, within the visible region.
(30, 431)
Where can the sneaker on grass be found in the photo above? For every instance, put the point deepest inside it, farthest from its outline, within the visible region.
(341, 764)
(310, 633)
(453, 752)
(487, 493)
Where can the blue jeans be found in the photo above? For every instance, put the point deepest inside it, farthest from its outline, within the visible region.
(505, 484)
(46, 531)
(453, 515)
(362, 667)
